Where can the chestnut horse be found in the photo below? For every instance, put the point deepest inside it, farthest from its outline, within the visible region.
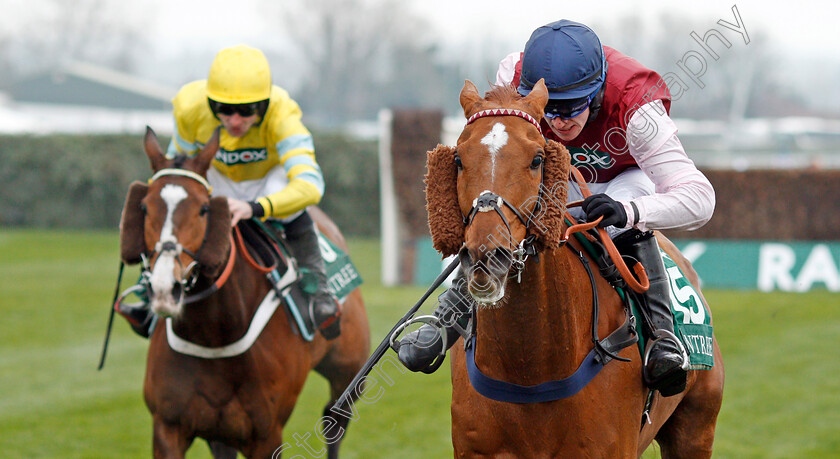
(539, 329)
(239, 401)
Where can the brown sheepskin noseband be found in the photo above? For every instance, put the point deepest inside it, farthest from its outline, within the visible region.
(132, 242)
(446, 223)
(548, 224)
(445, 220)
(214, 251)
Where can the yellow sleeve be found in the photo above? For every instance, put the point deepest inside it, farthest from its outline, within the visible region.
(187, 107)
(297, 195)
(295, 147)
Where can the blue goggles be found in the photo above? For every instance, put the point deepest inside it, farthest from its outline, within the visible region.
(566, 109)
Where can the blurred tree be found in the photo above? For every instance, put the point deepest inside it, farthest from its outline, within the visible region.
(57, 31)
(358, 56)
(735, 85)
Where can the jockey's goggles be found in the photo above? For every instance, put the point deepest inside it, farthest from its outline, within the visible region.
(243, 110)
(566, 109)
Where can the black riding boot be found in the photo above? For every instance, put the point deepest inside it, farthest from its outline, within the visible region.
(665, 363)
(300, 233)
(139, 315)
(419, 349)
(140, 318)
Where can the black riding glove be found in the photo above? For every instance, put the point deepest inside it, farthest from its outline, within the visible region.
(602, 205)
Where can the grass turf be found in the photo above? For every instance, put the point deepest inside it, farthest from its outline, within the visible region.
(782, 396)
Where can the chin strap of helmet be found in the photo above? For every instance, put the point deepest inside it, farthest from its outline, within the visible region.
(595, 105)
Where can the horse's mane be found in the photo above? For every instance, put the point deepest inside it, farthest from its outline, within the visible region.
(179, 160)
(503, 95)
(445, 219)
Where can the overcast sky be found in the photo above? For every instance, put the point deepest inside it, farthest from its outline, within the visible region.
(805, 26)
(185, 34)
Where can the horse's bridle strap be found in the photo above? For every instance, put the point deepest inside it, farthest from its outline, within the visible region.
(488, 201)
(505, 112)
(183, 173)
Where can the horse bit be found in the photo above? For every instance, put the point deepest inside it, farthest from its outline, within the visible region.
(488, 201)
(189, 275)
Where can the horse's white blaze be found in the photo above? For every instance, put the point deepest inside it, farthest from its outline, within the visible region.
(163, 274)
(495, 140)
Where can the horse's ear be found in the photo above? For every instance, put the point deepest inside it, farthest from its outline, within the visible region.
(469, 98)
(206, 154)
(132, 240)
(446, 223)
(556, 168)
(537, 99)
(153, 150)
(215, 249)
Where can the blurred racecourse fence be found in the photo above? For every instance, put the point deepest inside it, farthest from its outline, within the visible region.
(80, 181)
(773, 229)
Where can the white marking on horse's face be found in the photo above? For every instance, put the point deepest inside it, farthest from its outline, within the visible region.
(163, 274)
(495, 140)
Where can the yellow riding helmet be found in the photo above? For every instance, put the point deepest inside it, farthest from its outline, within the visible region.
(239, 75)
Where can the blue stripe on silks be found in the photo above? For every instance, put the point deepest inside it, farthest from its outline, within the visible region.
(314, 178)
(185, 146)
(502, 391)
(295, 141)
(297, 160)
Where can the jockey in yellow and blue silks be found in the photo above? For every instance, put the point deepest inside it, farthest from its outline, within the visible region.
(266, 163)
(266, 157)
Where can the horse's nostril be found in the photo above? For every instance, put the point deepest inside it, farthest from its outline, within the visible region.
(500, 259)
(176, 290)
(465, 258)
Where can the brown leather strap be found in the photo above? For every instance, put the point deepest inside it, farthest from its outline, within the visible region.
(638, 286)
(247, 255)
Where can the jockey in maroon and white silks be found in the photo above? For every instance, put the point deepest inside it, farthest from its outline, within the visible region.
(612, 114)
(629, 149)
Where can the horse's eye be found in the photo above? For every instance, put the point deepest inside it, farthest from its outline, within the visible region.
(536, 162)
(458, 162)
(143, 208)
(204, 209)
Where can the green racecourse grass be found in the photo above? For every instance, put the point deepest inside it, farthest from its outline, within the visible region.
(782, 397)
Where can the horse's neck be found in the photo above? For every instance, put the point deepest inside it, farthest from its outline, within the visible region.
(543, 327)
(224, 316)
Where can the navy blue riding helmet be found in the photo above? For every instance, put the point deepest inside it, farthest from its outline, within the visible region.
(569, 56)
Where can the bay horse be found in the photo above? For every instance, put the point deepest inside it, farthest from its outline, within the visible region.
(241, 400)
(534, 322)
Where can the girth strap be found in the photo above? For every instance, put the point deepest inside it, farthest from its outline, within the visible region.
(601, 354)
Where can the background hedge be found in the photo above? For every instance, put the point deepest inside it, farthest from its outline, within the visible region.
(80, 181)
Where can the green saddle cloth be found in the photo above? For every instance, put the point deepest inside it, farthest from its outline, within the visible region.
(692, 320)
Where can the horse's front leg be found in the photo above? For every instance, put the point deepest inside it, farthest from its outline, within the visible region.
(170, 440)
(271, 447)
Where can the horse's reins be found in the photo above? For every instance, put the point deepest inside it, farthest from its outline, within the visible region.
(604, 350)
(190, 273)
(488, 201)
(638, 286)
(161, 247)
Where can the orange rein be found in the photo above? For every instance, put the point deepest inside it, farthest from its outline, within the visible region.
(229, 267)
(639, 286)
(247, 256)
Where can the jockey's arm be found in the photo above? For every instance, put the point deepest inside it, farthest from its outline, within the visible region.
(684, 197)
(305, 188)
(306, 182)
